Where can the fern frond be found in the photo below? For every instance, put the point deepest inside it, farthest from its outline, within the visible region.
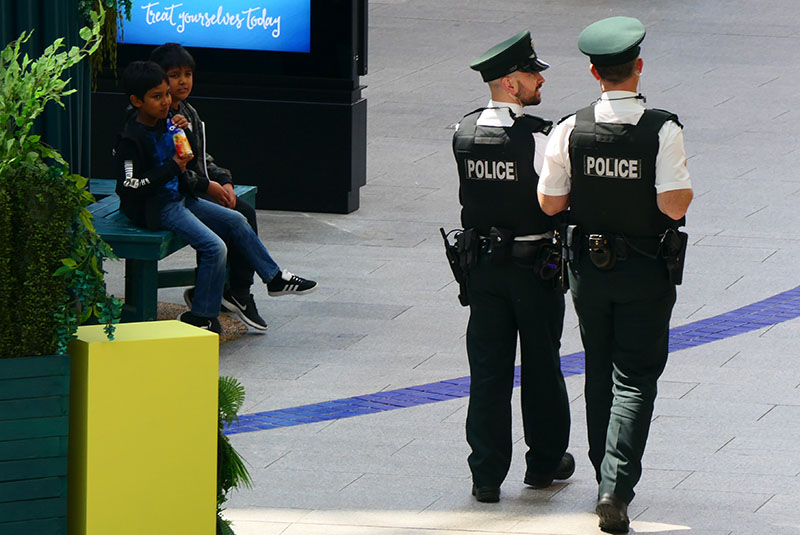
(231, 398)
(223, 526)
(231, 469)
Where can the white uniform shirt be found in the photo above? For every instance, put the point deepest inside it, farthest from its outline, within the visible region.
(671, 171)
(502, 118)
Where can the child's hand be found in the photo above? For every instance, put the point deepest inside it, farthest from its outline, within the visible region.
(217, 192)
(180, 121)
(231, 195)
(182, 161)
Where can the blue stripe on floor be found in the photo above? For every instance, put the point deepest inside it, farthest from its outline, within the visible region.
(771, 311)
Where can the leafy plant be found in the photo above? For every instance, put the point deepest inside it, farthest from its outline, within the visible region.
(231, 470)
(116, 11)
(51, 275)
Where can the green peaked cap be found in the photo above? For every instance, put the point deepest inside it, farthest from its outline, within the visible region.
(612, 41)
(513, 54)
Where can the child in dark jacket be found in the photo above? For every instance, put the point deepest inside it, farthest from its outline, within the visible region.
(156, 191)
(179, 65)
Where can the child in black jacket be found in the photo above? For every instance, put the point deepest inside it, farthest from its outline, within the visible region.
(156, 192)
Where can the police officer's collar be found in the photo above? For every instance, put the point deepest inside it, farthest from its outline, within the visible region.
(621, 95)
(500, 114)
(515, 108)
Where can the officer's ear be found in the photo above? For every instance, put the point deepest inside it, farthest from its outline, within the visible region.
(509, 85)
(594, 72)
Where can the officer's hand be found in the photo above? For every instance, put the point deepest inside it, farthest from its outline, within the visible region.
(217, 193)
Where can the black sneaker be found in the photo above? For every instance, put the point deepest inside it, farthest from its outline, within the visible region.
(245, 309)
(286, 283)
(188, 295)
(211, 324)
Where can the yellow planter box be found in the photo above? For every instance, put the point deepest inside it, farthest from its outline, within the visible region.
(143, 430)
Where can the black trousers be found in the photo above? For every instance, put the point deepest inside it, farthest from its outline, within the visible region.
(505, 302)
(624, 318)
(240, 275)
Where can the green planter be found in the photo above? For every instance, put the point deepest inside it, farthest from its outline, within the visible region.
(34, 422)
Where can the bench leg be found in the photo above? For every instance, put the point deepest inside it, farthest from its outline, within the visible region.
(141, 290)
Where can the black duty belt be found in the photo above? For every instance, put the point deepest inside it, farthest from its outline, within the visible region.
(519, 249)
(624, 246)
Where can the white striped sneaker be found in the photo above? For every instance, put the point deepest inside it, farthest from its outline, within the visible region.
(286, 283)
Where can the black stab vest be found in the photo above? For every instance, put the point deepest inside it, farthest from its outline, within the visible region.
(496, 175)
(614, 175)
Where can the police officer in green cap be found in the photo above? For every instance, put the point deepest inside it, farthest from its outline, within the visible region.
(510, 285)
(621, 171)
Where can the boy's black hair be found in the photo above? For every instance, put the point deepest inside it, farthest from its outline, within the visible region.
(170, 55)
(139, 77)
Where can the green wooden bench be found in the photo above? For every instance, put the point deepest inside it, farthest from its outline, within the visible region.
(142, 249)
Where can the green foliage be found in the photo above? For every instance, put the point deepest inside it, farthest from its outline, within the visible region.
(116, 12)
(28, 85)
(51, 276)
(85, 7)
(231, 470)
(231, 399)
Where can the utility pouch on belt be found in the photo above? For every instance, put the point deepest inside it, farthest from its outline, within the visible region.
(602, 251)
(673, 250)
(454, 259)
(501, 241)
(548, 264)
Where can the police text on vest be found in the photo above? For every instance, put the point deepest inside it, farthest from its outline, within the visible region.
(490, 170)
(612, 167)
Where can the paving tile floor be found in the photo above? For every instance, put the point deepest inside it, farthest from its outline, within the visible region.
(724, 454)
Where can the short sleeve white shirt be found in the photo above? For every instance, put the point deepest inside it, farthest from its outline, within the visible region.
(621, 107)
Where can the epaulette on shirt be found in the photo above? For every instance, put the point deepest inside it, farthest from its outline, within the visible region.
(670, 116)
(540, 125)
(565, 118)
(473, 112)
(476, 110)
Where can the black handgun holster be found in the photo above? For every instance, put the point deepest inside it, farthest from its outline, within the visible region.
(461, 256)
(673, 251)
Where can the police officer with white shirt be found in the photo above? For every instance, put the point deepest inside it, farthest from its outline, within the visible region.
(499, 152)
(621, 170)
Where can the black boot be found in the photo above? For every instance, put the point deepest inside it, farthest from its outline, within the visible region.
(613, 514)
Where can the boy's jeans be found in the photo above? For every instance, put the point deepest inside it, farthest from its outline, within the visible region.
(204, 225)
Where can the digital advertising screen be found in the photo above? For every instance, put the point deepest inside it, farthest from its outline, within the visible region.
(265, 25)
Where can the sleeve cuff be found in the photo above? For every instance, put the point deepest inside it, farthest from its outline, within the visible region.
(672, 186)
(553, 192)
(202, 184)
